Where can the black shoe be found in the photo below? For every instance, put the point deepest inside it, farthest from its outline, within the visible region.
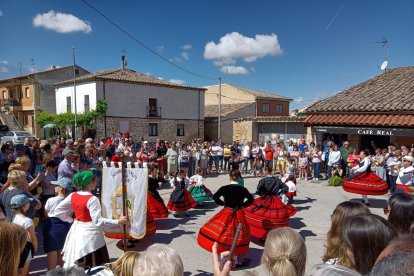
(187, 214)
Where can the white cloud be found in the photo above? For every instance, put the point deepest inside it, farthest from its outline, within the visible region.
(185, 55)
(1, 13)
(224, 61)
(233, 46)
(160, 49)
(148, 74)
(299, 99)
(3, 69)
(4, 62)
(187, 47)
(252, 69)
(61, 22)
(234, 70)
(179, 82)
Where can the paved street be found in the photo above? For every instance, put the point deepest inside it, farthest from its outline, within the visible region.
(315, 203)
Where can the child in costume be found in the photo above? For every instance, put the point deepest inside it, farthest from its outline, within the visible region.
(155, 203)
(85, 244)
(180, 199)
(291, 192)
(268, 212)
(56, 228)
(222, 227)
(197, 189)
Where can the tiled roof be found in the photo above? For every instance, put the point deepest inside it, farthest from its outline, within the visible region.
(260, 94)
(390, 91)
(124, 75)
(402, 120)
(279, 119)
(44, 72)
(226, 109)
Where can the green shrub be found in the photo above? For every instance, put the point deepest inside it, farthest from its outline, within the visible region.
(335, 181)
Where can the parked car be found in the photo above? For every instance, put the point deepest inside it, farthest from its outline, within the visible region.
(4, 129)
(17, 137)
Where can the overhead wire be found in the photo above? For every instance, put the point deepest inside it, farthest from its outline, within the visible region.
(146, 46)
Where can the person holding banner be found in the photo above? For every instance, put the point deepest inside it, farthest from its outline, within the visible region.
(222, 226)
(155, 203)
(181, 199)
(85, 244)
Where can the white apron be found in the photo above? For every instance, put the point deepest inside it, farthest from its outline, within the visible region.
(83, 238)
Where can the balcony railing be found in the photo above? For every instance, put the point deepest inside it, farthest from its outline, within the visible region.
(9, 102)
(153, 111)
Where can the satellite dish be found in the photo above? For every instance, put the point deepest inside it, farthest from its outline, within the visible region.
(384, 65)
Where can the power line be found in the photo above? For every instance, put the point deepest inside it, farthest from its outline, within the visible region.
(145, 46)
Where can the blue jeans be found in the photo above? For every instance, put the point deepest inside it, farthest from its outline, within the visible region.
(245, 164)
(328, 171)
(316, 168)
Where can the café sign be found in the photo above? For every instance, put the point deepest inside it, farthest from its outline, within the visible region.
(365, 131)
(380, 132)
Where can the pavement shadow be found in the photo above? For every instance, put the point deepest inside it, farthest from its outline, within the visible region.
(296, 223)
(201, 273)
(307, 233)
(38, 266)
(304, 201)
(164, 238)
(301, 208)
(374, 202)
(254, 256)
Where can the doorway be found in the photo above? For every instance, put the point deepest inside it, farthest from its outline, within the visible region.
(379, 141)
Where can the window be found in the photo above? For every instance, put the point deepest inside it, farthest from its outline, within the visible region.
(86, 103)
(265, 108)
(153, 130)
(27, 92)
(180, 129)
(4, 94)
(68, 105)
(279, 108)
(152, 107)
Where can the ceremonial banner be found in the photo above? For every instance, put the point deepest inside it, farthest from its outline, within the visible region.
(136, 200)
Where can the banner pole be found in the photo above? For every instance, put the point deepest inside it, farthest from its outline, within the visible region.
(124, 211)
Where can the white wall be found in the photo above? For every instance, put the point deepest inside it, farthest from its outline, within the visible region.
(81, 91)
(131, 100)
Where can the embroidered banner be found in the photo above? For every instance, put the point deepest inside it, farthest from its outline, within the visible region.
(136, 203)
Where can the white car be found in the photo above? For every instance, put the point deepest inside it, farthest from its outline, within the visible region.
(17, 137)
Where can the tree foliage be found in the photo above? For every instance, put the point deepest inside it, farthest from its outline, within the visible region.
(67, 119)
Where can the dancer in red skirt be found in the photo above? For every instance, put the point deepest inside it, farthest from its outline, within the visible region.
(181, 199)
(363, 181)
(268, 212)
(222, 227)
(151, 228)
(155, 203)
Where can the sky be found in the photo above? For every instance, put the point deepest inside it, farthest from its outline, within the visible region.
(306, 50)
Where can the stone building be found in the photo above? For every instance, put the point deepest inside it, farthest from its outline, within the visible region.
(21, 98)
(140, 104)
(379, 110)
(239, 102)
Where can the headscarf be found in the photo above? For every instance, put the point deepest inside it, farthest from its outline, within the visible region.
(82, 179)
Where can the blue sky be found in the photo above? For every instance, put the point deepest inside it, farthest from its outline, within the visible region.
(306, 50)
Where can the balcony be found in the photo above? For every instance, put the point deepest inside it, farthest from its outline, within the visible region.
(153, 111)
(8, 104)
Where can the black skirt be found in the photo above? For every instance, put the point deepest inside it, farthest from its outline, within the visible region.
(96, 258)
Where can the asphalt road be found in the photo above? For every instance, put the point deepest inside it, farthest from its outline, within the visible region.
(315, 203)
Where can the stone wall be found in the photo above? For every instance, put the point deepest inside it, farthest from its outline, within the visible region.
(167, 129)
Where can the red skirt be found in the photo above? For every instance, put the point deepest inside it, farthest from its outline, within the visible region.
(404, 188)
(162, 164)
(156, 208)
(185, 205)
(151, 228)
(221, 229)
(366, 183)
(267, 213)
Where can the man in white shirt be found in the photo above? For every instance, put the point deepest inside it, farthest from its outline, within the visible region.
(405, 175)
(246, 155)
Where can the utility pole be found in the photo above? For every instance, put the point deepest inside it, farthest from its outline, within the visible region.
(74, 96)
(34, 98)
(219, 111)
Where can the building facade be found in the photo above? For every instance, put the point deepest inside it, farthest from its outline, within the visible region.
(137, 103)
(21, 98)
(239, 102)
(379, 111)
